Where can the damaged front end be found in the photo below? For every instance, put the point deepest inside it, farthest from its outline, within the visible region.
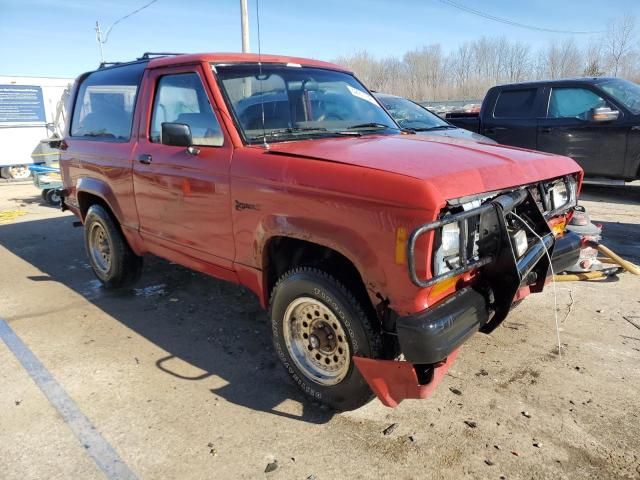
(494, 250)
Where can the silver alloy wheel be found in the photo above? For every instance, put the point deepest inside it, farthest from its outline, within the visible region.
(316, 341)
(100, 248)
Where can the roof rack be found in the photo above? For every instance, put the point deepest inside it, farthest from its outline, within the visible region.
(145, 56)
(148, 55)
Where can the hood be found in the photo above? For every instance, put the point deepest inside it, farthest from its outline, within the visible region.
(449, 167)
(459, 133)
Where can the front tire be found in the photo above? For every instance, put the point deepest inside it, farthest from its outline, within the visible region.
(318, 325)
(111, 258)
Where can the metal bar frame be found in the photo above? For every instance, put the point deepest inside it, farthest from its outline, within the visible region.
(502, 204)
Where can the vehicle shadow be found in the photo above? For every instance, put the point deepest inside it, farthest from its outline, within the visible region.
(212, 325)
(622, 194)
(33, 200)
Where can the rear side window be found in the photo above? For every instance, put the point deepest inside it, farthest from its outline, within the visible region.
(105, 103)
(181, 98)
(573, 103)
(515, 103)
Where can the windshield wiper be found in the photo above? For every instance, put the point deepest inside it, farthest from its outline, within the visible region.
(378, 126)
(439, 127)
(300, 130)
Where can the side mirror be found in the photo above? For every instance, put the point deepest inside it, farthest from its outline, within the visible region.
(603, 114)
(176, 134)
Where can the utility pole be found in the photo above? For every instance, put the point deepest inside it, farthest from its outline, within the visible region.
(244, 21)
(100, 42)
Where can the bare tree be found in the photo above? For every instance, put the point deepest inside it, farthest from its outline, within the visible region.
(426, 73)
(619, 40)
(563, 60)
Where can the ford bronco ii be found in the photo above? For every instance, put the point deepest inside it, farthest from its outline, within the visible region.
(378, 252)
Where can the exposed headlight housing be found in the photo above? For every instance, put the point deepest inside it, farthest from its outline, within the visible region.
(563, 193)
(450, 240)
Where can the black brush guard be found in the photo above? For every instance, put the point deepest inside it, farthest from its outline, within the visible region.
(429, 336)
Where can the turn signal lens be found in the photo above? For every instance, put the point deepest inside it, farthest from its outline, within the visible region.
(401, 245)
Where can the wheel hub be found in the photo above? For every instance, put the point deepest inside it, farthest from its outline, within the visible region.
(100, 248)
(316, 341)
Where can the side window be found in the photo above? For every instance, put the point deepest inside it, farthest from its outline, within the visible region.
(515, 103)
(181, 98)
(105, 103)
(573, 103)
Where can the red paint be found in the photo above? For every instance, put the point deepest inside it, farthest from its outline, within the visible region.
(393, 381)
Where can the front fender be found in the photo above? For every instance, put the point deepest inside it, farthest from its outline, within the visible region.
(343, 240)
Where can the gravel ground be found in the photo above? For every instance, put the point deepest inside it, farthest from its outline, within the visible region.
(178, 375)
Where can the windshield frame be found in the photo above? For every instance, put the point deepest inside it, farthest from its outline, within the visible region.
(620, 81)
(318, 134)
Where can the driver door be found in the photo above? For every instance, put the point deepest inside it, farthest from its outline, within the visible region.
(183, 197)
(598, 147)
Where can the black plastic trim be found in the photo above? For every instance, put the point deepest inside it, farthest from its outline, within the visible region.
(432, 334)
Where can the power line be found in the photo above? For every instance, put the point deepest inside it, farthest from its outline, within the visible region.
(106, 36)
(506, 21)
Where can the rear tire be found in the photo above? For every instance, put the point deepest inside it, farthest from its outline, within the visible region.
(111, 258)
(318, 326)
(52, 197)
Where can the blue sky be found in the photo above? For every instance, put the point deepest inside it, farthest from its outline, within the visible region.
(46, 38)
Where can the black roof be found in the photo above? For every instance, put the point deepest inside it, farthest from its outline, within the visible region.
(537, 83)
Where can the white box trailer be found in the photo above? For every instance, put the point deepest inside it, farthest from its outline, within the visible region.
(31, 110)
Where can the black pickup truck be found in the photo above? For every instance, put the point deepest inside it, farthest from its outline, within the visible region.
(595, 121)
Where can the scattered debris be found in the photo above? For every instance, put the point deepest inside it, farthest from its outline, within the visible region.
(271, 466)
(173, 299)
(311, 477)
(600, 310)
(212, 450)
(513, 452)
(497, 447)
(18, 402)
(482, 372)
(412, 438)
(488, 462)
(455, 391)
(537, 444)
(526, 414)
(390, 429)
(471, 423)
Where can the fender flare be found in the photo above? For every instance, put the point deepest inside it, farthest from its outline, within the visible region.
(347, 242)
(100, 189)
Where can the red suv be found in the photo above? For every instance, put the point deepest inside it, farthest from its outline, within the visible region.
(377, 251)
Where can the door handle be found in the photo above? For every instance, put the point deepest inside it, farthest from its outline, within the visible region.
(494, 129)
(145, 158)
(546, 129)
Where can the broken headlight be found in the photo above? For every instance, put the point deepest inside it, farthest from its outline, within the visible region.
(563, 193)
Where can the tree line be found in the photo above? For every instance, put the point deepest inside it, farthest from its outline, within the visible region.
(428, 73)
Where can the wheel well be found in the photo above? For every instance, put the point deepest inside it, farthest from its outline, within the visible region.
(85, 200)
(285, 253)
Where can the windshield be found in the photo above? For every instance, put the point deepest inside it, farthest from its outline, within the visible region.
(410, 115)
(627, 93)
(283, 102)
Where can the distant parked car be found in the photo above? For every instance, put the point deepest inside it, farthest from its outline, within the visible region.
(413, 116)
